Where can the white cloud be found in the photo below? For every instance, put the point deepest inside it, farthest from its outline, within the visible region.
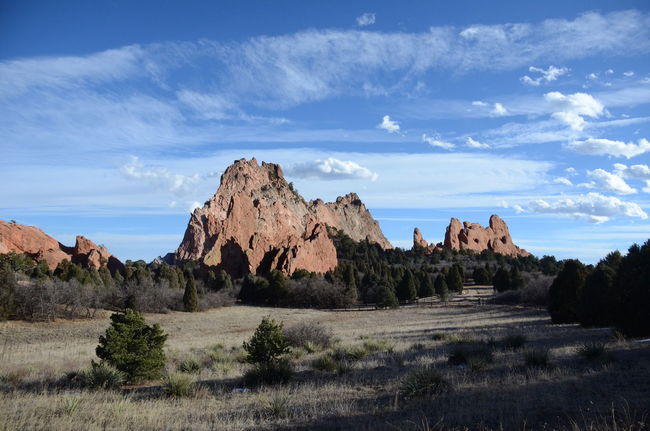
(593, 207)
(608, 147)
(563, 180)
(194, 205)
(366, 19)
(331, 169)
(388, 125)
(640, 172)
(471, 143)
(499, 110)
(609, 182)
(592, 76)
(629, 73)
(548, 75)
(437, 142)
(571, 171)
(160, 178)
(479, 103)
(570, 109)
(518, 209)
(609, 71)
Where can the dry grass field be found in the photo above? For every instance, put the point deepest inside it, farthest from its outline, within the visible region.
(369, 393)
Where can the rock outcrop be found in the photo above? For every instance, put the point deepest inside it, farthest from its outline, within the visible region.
(419, 242)
(256, 222)
(474, 237)
(39, 246)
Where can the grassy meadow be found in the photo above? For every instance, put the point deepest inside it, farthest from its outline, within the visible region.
(464, 365)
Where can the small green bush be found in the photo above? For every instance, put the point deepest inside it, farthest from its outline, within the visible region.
(595, 352)
(102, 376)
(276, 372)
(191, 366)
(424, 382)
(267, 344)
(537, 357)
(349, 353)
(372, 346)
(178, 385)
(133, 347)
(325, 363)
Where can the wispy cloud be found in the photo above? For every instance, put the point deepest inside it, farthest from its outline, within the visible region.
(608, 147)
(366, 19)
(472, 143)
(572, 108)
(593, 207)
(545, 75)
(177, 184)
(610, 182)
(437, 142)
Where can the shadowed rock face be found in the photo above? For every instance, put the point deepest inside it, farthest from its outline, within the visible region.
(37, 244)
(473, 236)
(418, 241)
(256, 222)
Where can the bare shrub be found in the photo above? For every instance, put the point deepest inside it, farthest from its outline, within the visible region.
(534, 293)
(318, 293)
(309, 335)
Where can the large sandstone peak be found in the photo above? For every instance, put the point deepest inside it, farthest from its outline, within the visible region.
(40, 246)
(257, 222)
(474, 237)
(420, 242)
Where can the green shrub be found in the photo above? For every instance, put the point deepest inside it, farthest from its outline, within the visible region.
(277, 407)
(102, 376)
(271, 373)
(565, 292)
(267, 344)
(537, 357)
(178, 385)
(133, 347)
(349, 353)
(595, 352)
(372, 346)
(325, 363)
(424, 382)
(191, 366)
(190, 297)
(475, 355)
(385, 297)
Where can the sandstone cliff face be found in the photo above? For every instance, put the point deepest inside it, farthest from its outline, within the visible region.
(474, 237)
(351, 216)
(418, 241)
(37, 244)
(256, 223)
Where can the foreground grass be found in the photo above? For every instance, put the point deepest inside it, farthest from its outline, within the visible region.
(372, 387)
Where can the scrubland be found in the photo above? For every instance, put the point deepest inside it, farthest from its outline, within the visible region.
(385, 369)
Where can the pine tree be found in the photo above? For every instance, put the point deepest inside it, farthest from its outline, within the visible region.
(406, 290)
(277, 290)
(454, 280)
(7, 291)
(267, 344)
(565, 292)
(190, 297)
(442, 290)
(426, 286)
(516, 280)
(133, 347)
(501, 280)
(385, 297)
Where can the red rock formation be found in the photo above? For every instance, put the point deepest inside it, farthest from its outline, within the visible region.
(474, 237)
(37, 244)
(256, 222)
(418, 241)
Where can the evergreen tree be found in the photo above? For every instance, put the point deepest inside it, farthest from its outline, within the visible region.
(632, 286)
(597, 303)
(442, 290)
(406, 289)
(501, 280)
(454, 280)
(565, 292)
(480, 276)
(516, 279)
(133, 347)
(385, 297)
(267, 344)
(426, 286)
(277, 289)
(7, 291)
(190, 297)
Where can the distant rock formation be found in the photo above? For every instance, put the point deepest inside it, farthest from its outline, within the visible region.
(420, 242)
(474, 237)
(39, 246)
(256, 222)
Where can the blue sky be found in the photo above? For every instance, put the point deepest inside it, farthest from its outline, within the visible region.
(118, 117)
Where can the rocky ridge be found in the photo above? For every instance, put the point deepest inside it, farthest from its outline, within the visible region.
(472, 236)
(256, 222)
(35, 243)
